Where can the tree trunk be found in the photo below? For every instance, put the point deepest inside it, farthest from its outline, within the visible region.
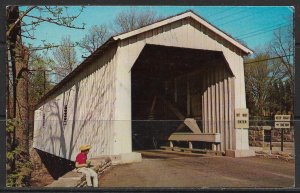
(12, 14)
(22, 108)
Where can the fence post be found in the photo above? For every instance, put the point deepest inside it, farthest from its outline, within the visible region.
(282, 139)
(271, 140)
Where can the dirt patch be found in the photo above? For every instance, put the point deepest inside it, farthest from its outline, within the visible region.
(47, 168)
(40, 176)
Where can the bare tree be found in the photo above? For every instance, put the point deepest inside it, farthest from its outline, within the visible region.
(65, 58)
(125, 21)
(257, 82)
(270, 75)
(134, 18)
(95, 38)
(282, 47)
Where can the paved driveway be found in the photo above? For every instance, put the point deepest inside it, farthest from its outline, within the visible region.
(163, 169)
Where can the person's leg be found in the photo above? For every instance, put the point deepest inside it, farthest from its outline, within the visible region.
(94, 176)
(87, 175)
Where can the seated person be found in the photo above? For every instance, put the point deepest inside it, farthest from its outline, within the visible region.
(83, 165)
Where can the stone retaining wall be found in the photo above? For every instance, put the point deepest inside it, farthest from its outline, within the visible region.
(256, 135)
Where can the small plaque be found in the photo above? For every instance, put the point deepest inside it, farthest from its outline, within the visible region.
(241, 118)
(283, 125)
(282, 117)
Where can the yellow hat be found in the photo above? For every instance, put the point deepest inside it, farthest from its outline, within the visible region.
(85, 147)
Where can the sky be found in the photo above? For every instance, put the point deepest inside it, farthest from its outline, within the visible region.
(253, 25)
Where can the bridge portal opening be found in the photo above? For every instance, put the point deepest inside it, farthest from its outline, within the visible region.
(170, 85)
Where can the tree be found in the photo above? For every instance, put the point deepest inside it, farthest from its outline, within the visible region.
(133, 18)
(97, 36)
(64, 58)
(288, 97)
(17, 82)
(282, 47)
(39, 79)
(125, 21)
(17, 78)
(274, 97)
(268, 88)
(39, 83)
(257, 82)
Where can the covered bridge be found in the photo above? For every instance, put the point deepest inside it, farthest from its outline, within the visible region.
(181, 68)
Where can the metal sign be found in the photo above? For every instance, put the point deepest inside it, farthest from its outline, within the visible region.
(282, 121)
(242, 118)
(282, 117)
(283, 125)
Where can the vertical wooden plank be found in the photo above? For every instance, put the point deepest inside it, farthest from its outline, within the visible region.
(188, 98)
(209, 102)
(213, 101)
(230, 118)
(226, 110)
(204, 106)
(232, 112)
(202, 101)
(221, 112)
(217, 100)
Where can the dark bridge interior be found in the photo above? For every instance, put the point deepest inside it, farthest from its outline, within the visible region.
(166, 89)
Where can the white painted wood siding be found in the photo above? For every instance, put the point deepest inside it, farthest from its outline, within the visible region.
(90, 98)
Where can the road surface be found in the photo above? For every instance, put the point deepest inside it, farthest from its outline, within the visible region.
(166, 169)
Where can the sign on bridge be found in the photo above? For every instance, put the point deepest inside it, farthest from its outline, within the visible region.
(241, 118)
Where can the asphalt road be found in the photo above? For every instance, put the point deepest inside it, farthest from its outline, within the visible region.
(163, 169)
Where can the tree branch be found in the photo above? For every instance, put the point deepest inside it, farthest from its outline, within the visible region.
(8, 33)
(50, 20)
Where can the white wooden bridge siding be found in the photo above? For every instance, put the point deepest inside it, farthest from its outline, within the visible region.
(90, 97)
(218, 105)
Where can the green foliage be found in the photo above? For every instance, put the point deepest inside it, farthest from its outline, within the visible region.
(9, 156)
(39, 83)
(21, 176)
(11, 124)
(14, 154)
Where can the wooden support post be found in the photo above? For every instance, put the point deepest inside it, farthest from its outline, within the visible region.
(271, 141)
(218, 147)
(171, 144)
(263, 138)
(281, 139)
(214, 147)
